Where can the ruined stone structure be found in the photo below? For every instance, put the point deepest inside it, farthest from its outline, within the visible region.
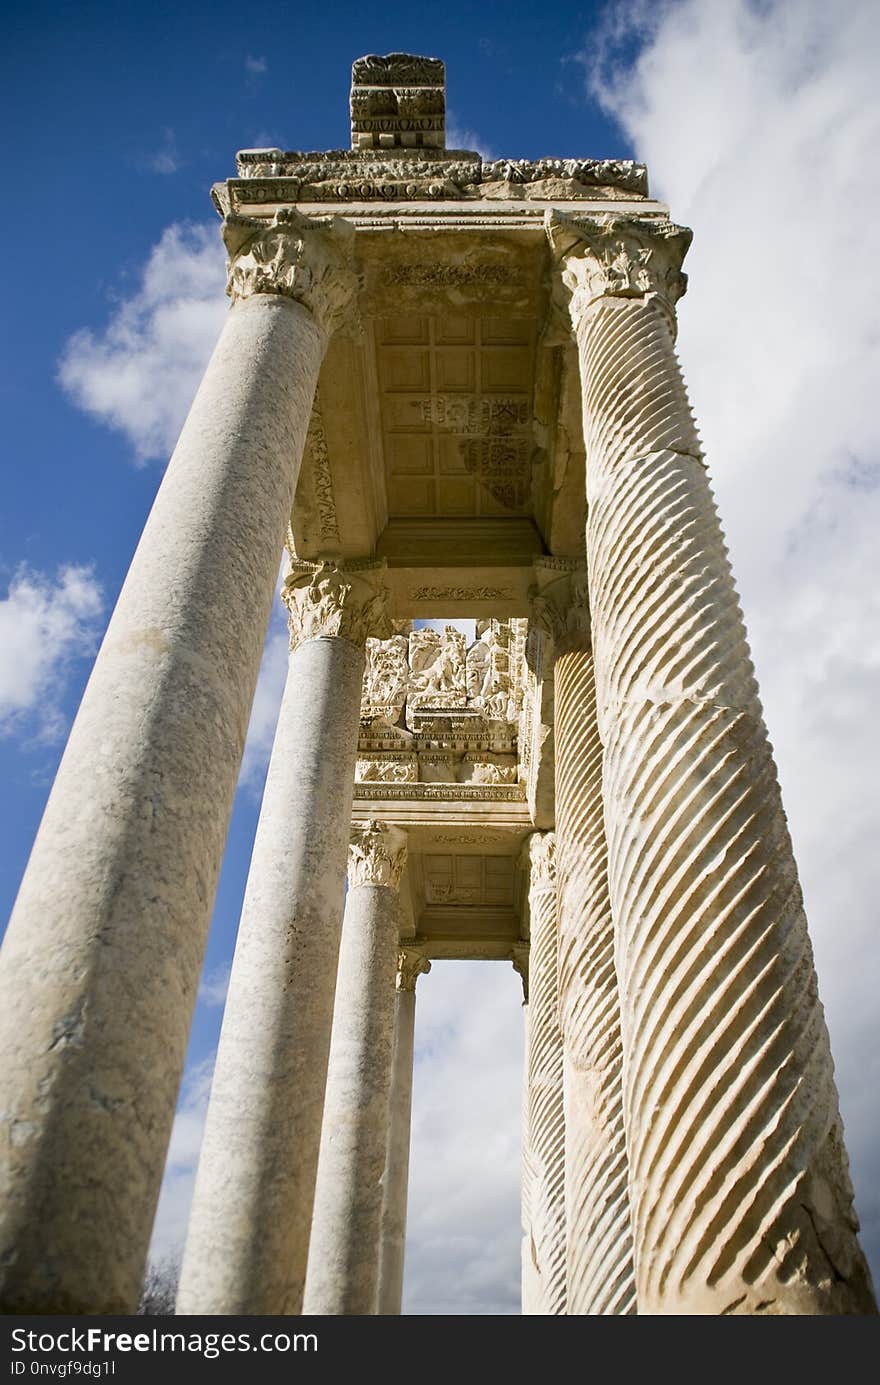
(449, 387)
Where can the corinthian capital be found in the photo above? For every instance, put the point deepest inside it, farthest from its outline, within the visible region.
(411, 964)
(560, 605)
(376, 855)
(541, 852)
(326, 600)
(610, 256)
(296, 256)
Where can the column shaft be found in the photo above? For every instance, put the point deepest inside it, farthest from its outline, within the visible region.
(248, 1233)
(598, 1240)
(740, 1192)
(100, 966)
(343, 1267)
(410, 964)
(545, 1118)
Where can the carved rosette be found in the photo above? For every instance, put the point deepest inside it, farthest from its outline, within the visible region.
(411, 964)
(619, 257)
(325, 601)
(560, 608)
(305, 258)
(376, 855)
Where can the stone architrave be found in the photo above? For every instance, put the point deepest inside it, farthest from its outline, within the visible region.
(411, 964)
(599, 1274)
(101, 961)
(248, 1236)
(343, 1266)
(544, 1243)
(739, 1184)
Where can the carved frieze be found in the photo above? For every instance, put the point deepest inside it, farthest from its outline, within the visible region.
(437, 669)
(398, 100)
(386, 679)
(318, 454)
(343, 175)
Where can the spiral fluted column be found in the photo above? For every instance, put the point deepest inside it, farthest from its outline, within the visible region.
(739, 1184)
(600, 1278)
(545, 1125)
(100, 965)
(248, 1236)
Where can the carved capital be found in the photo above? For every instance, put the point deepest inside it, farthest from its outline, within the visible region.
(610, 256)
(560, 606)
(376, 855)
(540, 855)
(411, 964)
(519, 956)
(326, 600)
(296, 256)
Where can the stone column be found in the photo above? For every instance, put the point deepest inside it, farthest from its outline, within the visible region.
(101, 961)
(544, 1218)
(248, 1234)
(740, 1191)
(411, 964)
(343, 1270)
(599, 1275)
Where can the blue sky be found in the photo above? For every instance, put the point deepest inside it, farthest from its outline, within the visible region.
(760, 125)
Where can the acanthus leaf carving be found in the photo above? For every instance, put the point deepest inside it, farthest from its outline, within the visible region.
(411, 964)
(376, 855)
(609, 256)
(326, 600)
(294, 256)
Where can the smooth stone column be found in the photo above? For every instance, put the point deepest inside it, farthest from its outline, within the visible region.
(599, 1264)
(411, 964)
(248, 1235)
(739, 1185)
(544, 1278)
(100, 966)
(343, 1270)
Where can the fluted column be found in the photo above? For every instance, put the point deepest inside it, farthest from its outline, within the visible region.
(248, 1233)
(740, 1190)
(599, 1273)
(544, 1278)
(411, 964)
(343, 1269)
(100, 965)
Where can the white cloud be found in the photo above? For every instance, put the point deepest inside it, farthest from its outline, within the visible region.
(255, 67)
(169, 1227)
(213, 986)
(140, 372)
(460, 136)
(165, 159)
(760, 125)
(463, 1226)
(266, 704)
(46, 623)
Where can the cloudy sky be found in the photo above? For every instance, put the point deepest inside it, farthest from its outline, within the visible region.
(759, 123)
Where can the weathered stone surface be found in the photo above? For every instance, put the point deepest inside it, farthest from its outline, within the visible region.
(544, 1244)
(343, 1266)
(739, 1186)
(101, 961)
(411, 964)
(599, 1273)
(248, 1236)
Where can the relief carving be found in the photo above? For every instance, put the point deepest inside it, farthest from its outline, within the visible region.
(295, 256)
